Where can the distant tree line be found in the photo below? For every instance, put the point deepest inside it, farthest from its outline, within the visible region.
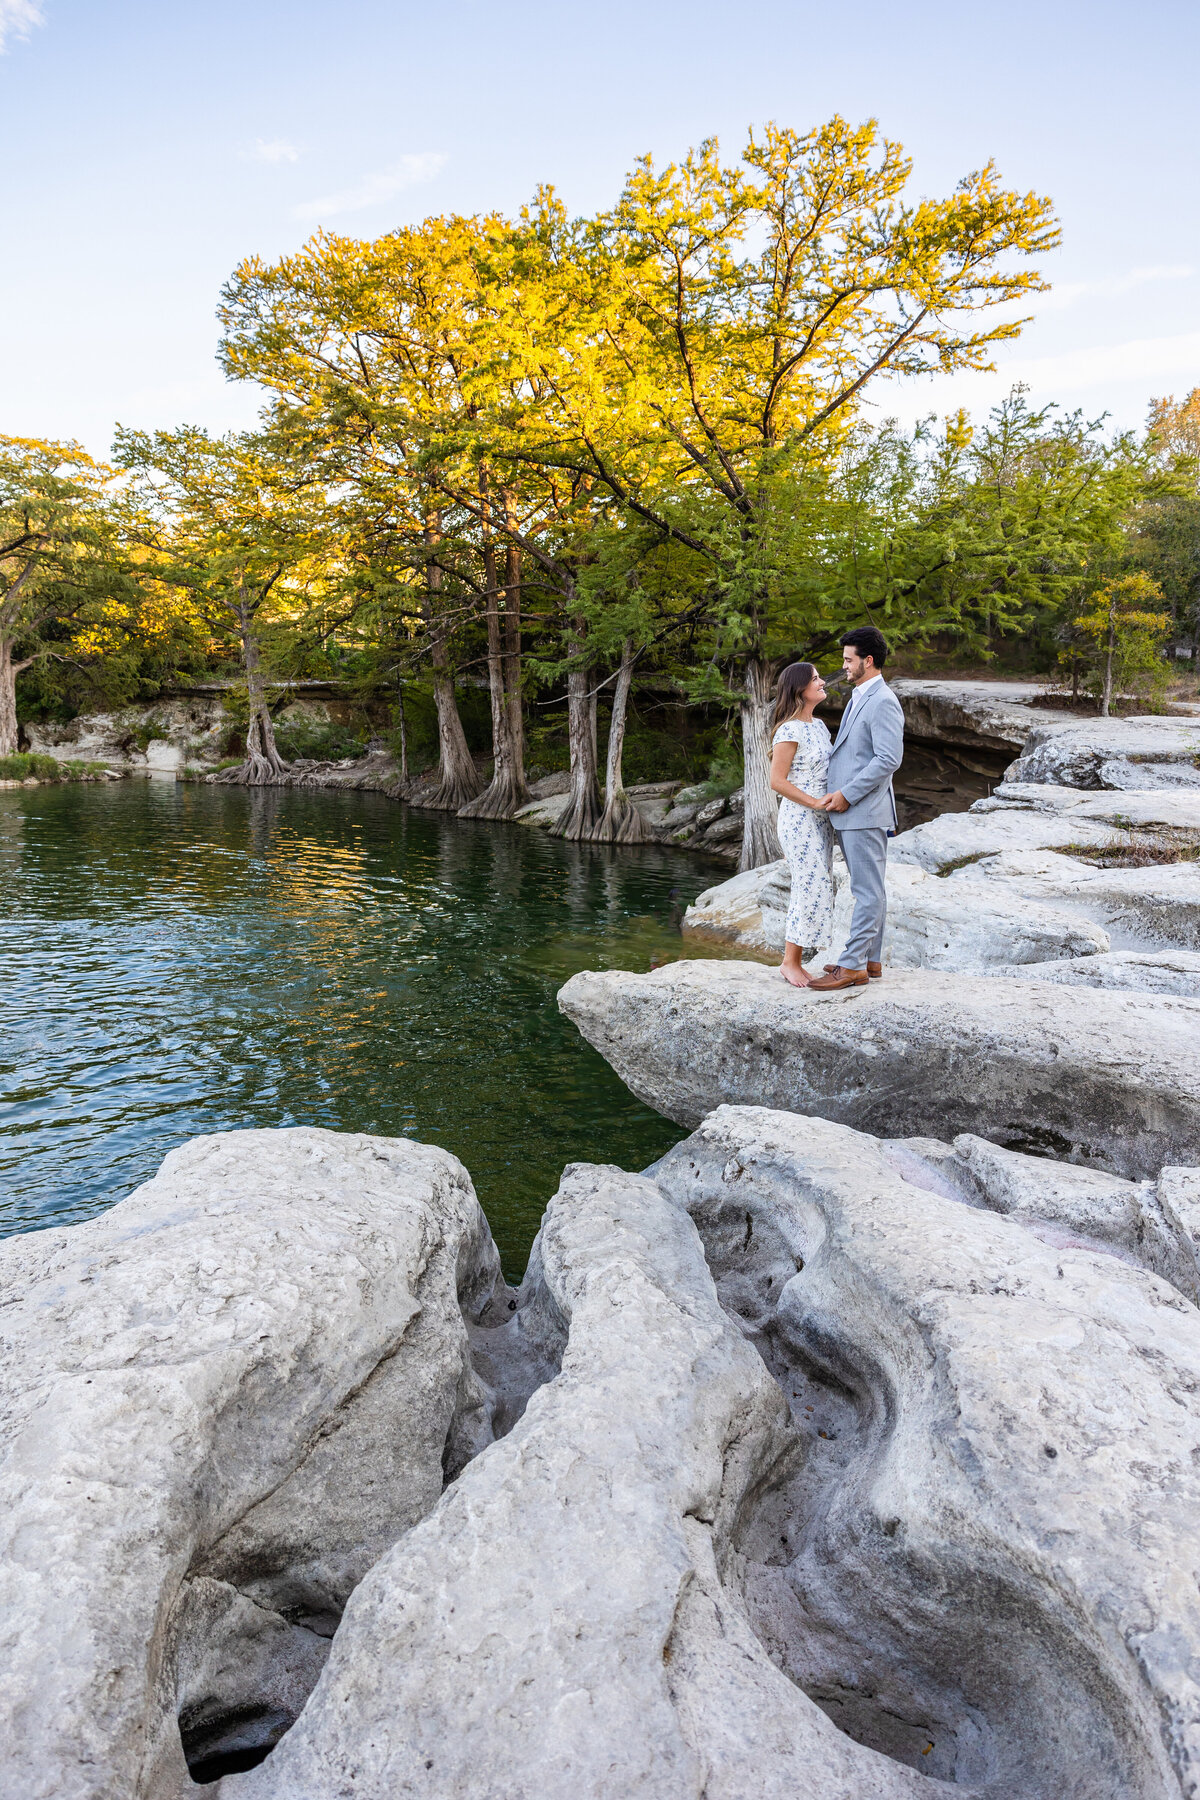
(592, 458)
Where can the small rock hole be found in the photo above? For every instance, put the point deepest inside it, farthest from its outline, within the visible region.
(230, 1743)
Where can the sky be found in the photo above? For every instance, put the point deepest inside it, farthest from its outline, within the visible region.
(145, 149)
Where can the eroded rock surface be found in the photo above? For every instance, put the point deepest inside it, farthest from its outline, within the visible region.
(749, 910)
(803, 1466)
(985, 1560)
(1112, 753)
(223, 1399)
(1106, 1078)
(563, 1624)
(1170, 813)
(956, 840)
(164, 736)
(1159, 904)
(1138, 971)
(1143, 1222)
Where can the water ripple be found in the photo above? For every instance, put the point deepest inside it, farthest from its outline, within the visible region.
(180, 959)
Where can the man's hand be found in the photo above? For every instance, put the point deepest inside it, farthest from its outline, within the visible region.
(837, 802)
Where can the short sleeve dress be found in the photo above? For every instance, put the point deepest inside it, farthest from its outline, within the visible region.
(807, 836)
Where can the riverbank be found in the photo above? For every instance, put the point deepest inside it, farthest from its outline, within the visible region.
(25, 770)
(961, 736)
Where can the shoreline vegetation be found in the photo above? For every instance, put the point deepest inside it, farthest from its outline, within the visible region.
(32, 770)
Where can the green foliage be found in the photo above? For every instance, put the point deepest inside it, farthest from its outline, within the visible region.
(25, 767)
(1166, 530)
(420, 726)
(318, 742)
(35, 766)
(1123, 640)
(62, 580)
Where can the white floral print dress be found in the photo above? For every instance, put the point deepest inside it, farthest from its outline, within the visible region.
(807, 836)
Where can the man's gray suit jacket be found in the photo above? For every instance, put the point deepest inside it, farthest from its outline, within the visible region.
(869, 747)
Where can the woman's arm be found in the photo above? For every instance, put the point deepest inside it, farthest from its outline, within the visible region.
(781, 762)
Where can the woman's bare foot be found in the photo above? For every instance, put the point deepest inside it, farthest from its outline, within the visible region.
(795, 972)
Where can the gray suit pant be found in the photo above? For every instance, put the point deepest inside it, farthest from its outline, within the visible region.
(865, 851)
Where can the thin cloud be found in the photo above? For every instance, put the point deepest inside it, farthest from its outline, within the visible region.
(272, 150)
(1174, 358)
(17, 19)
(373, 190)
(1066, 293)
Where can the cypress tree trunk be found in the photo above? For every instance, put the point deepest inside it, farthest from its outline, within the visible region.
(1106, 697)
(11, 609)
(512, 657)
(507, 790)
(263, 765)
(760, 840)
(402, 722)
(582, 813)
(9, 670)
(458, 777)
(621, 823)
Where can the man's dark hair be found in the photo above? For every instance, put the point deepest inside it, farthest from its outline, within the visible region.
(868, 642)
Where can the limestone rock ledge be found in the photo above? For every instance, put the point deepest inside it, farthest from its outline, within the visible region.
(985, 1560)
(804, 1465)
(1017, 882)
(222, 1400)
(1136, 753)
(560, 1626)
(1106, 1078)
(905, 1498)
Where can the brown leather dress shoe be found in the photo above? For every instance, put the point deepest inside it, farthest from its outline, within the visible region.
(875, 971)
(839, 978)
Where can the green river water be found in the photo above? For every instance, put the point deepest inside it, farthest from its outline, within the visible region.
(180, 959)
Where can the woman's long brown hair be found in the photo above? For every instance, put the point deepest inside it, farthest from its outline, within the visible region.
(791, 684)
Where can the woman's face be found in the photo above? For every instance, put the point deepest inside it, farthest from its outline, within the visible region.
(814, 693)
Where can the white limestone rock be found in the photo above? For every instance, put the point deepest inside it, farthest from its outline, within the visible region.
(561, 1625)
(1062, 1202)
(1158, 904)
(929, 925)
(993, 715)
(986, 1559)
(1111, 1079)
(1178, 1192)
(222, 1401)
(958, 839)
(749, 910)
(184, 730)
(967, 927)
(1134, 971)
(1112, 753)
(545, 812)
(1169, 813)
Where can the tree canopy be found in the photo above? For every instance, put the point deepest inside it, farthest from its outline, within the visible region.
(641, 451)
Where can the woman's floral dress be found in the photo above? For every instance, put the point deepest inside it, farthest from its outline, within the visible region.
(807, 836)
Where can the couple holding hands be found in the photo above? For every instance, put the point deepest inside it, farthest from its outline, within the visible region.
(844, 787)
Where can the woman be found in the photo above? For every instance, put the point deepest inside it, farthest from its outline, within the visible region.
(800, 750)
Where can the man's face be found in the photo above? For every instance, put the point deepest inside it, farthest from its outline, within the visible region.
(854, 666)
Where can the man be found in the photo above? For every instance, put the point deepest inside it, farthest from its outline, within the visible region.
(861, 806)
